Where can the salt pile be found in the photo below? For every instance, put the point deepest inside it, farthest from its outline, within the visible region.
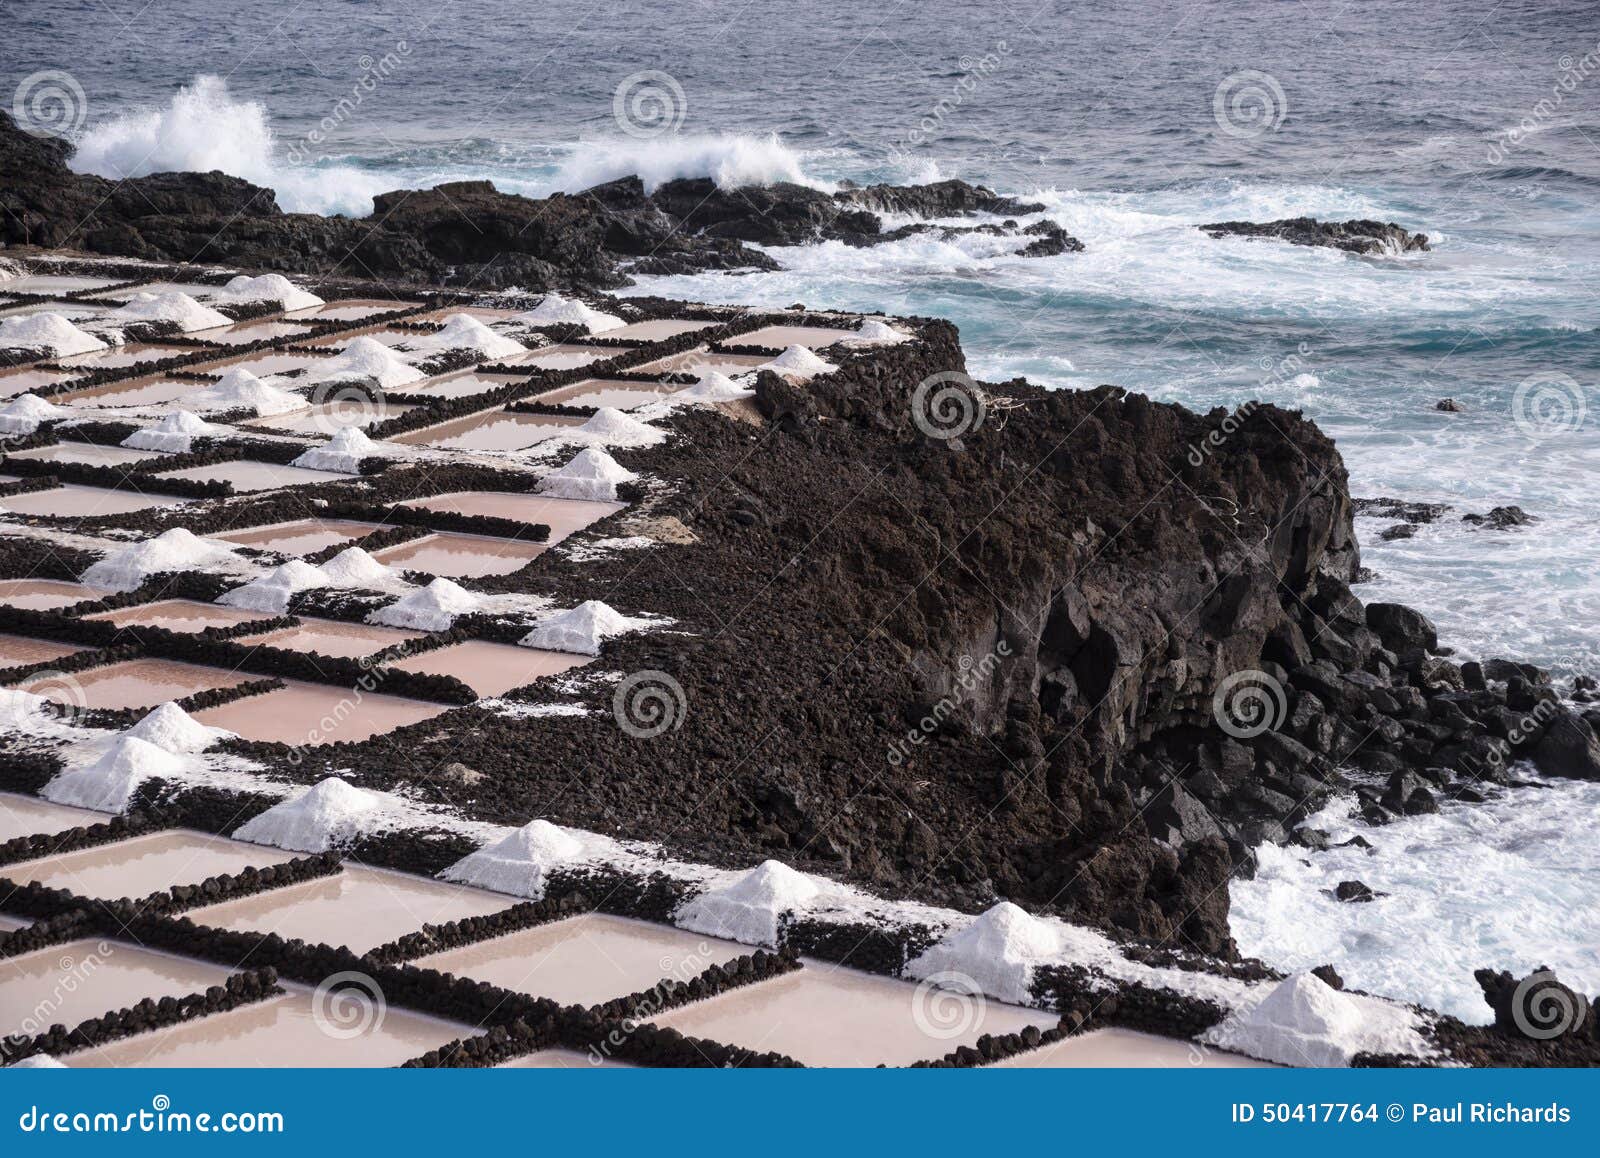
(172, 729)
(430, 608)
(38, 1061)
(556, 310)
(354, 567)
(581, 629)
(713, 387)
(520, 863)
(1305, 1022)
(798, 362)
(174, 550)
(342, 453)
(591, 474)
(10, 270)
(609, 426)
(175, 433)
(272, 591)
(50, 334)
(324, 816)
(876, 333)
(365, 358)
(465, 332)
(269, 287)
(110, 782)
(239, 389)
(180, 308)
(998, 951)
(751, 909)
(23, 414)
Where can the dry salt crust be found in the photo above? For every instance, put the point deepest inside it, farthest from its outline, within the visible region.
(1302, 1021)
(51, 334)
(333, 813)
(269, 287)
(365, 358)
(556, 310)
(582, 629)
(798, 362)
(175, 433)
(180, 308)
(465, 332)
(873, 332)
(24, 413)
(592, 475)
(173, 550)
(437, 606)
(342, 453)
(597, 549)
(271, 592)
(239, 389)
(518, 710)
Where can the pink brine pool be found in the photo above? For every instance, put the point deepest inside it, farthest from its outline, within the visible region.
(134, 683)
(310, 715)
(491, 669)
(461, 556)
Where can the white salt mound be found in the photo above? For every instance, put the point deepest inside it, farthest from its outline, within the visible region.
(110, 782)
(465, 332)
(750, 910)
(239, 389)
(269, 287)
(272, 591)
(609, 426)
(177, 307)
(591, 474)
(519, 863)
(172, 729)
(581, 629)
(175, 433)
(10, 270)
(799, 362)
(556, 310)
(365, 358)
(998, 951)
(342, 453)
(324, 816)
(877, 333)
(38, 1061)
(23, 414)
(50, 334)
(430, 608)
(1305, 1022)
(713, 387)
(174, 550)
(354, 567)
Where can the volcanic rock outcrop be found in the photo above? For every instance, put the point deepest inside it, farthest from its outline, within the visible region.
(1370, 238)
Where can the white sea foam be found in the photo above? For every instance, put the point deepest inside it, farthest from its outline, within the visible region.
(730, 159)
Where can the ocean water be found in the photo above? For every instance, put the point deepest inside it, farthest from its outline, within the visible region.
(1131, 124)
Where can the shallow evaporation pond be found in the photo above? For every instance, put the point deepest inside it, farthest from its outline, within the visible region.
(187, 615)
(301, 536)
(45, 594)
(133, 354)
(1128, 1049)
(133, 683)
(358, 909)
(561, 357)
(458, 556)
(31, 816)
(382, 337)
(331, 417)
(85, 452)
(703, 361)
(491, 669)
(657, 330)
(80, 502)
(11, 924)
(14, 382)
(459, 384)
(827, 1015)
(331, 637)
(617, 392)
(281, 1032)
(145, 864)
(782, 337)
(350, 309)
(140, 392)
(496, 430)
(247, 475)
(18, 650)
(563, 1059)
(243, 333)
(564, 517)
(56, 283)
(68, 984)
(192, 289)
(72, 311)
(307, 714)
(588, 959)
(264, 362)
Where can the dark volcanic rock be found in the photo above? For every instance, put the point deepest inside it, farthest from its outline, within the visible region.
(940, 199)
(1355, 892)
(1370, 238)
(1499, 519)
